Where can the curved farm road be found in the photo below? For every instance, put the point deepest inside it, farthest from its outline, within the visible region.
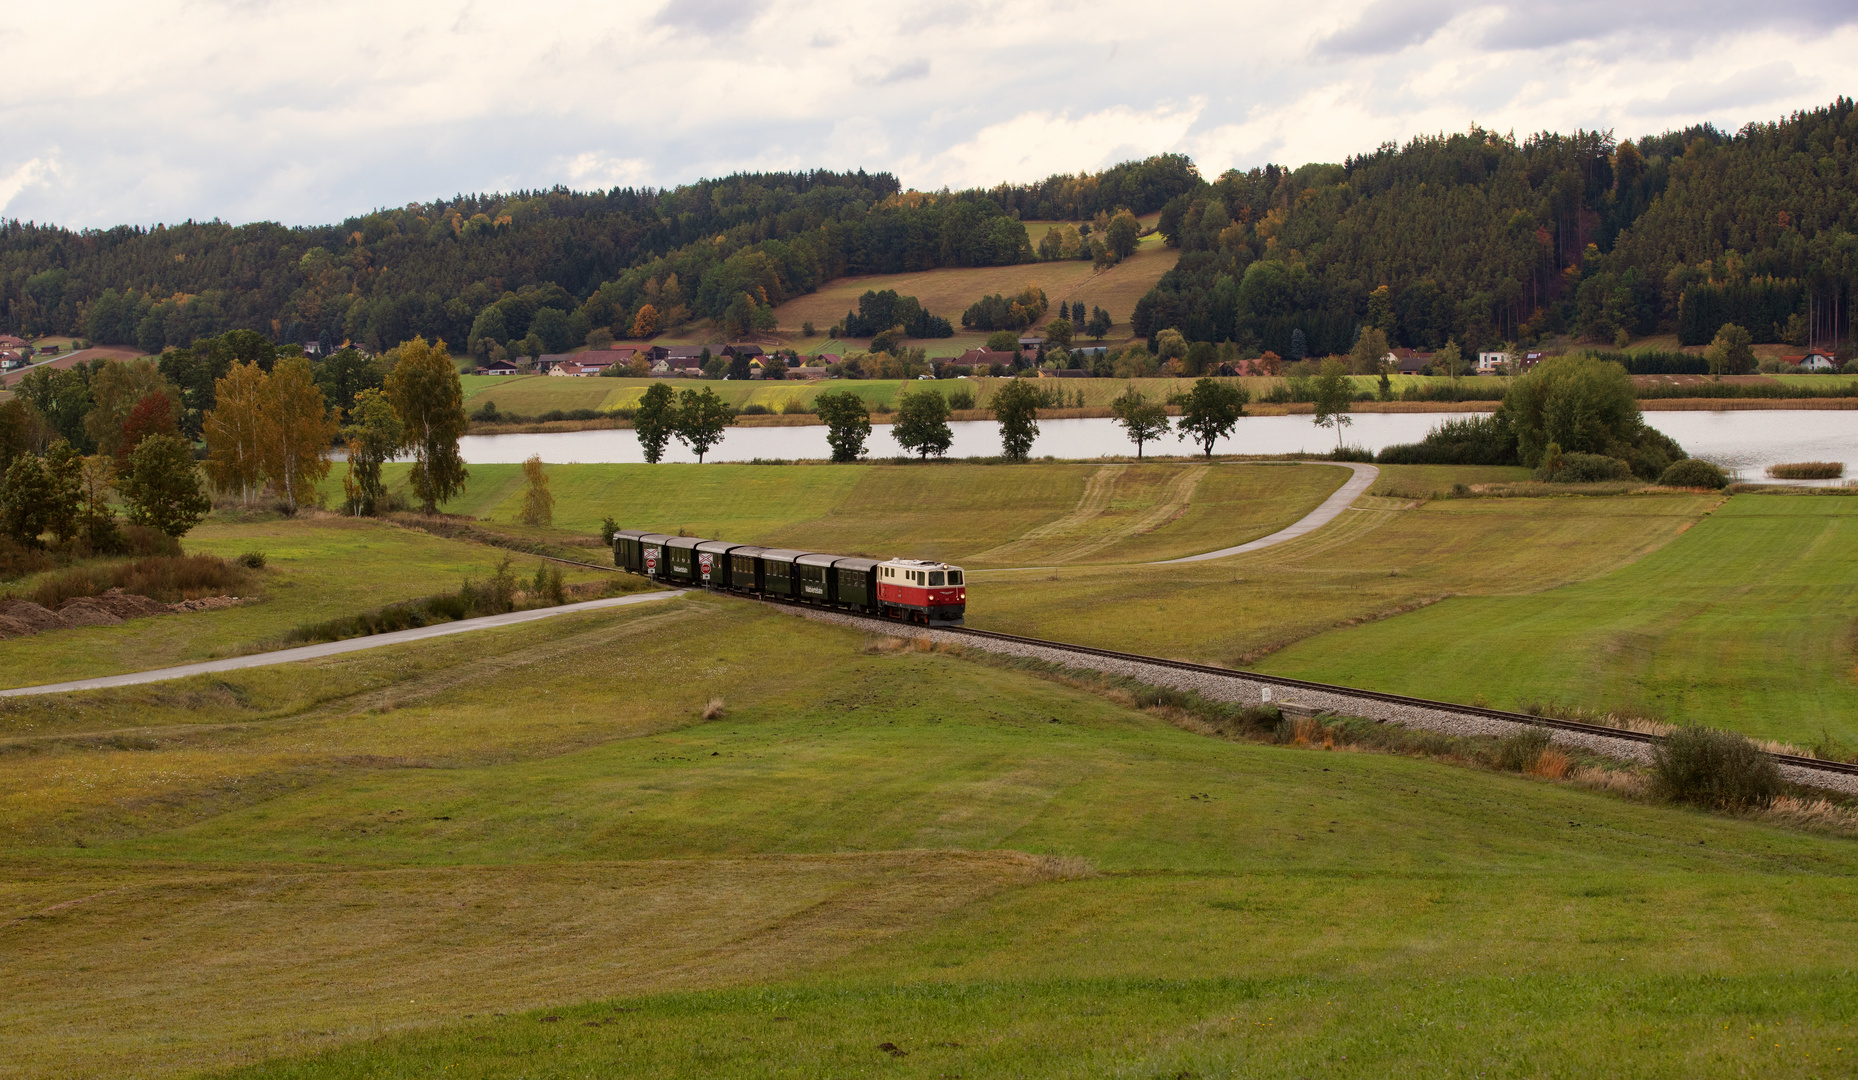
(1330, 509)
(336, 648)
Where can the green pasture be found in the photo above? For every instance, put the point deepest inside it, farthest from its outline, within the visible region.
(1385, 556)
(979, 515)
(315, 569)
(526, 852)
(1744, 621)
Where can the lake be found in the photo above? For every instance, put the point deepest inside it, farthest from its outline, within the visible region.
(1744, 442)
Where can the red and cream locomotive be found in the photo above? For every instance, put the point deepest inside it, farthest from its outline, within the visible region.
(918, 591)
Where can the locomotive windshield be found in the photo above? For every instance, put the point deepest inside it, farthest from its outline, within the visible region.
(954, 577)
(935, 578)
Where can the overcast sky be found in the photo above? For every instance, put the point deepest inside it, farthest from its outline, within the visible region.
(160, 110)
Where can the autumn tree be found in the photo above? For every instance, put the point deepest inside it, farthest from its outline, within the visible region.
(424, 390)
(234, 432)
(538, 501)
(847, 420)
(373, 435)
(296, 427)
(116, 389)
(922, 423)
(153, 415)
(655, 420)
(1141, 419)
(645, 323)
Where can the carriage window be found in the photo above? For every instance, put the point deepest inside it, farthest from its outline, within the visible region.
(935, 577)
(954, 577)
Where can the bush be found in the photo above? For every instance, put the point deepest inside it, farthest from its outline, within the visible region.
(252, 560)
(1485, 440)
(796, 407)
(754, 410)
(1351, 453)
(163, 577)
(1520, 752)
(1720, 769)
(1693, 473)
(1808, 470)
(961, 397)
(1583, 469)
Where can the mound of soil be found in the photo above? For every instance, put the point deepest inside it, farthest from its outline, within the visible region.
(22, 617)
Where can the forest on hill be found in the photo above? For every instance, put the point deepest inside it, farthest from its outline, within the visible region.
(1476, 237)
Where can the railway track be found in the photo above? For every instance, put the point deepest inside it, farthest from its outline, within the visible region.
(1596, 731)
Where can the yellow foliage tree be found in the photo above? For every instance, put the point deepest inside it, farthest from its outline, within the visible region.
(538, 501)
(234, 434)
(296, 427)
(645, 323)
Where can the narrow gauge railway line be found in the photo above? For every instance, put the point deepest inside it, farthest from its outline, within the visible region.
(1248, 686)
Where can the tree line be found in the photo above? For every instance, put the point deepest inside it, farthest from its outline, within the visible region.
(1482, 239)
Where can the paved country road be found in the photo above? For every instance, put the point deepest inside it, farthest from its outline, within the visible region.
(336, 648)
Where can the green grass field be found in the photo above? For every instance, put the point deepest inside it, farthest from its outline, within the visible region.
(315, 569)
(900, 862)
(980, 515)
(1745, 621)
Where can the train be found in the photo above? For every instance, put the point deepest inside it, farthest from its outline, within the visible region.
(906, 590)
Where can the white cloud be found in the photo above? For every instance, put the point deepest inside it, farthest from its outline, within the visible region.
(32, 172)
(308, 113)
(1034, 145)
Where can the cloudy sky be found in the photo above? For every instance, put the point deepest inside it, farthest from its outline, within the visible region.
(159, 110)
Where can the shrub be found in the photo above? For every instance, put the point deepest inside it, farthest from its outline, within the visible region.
(252, 560)
(1576, 468)
(1485, 440)
(163, 577)
(754, 410)
(1693, 473)
(796, 407)
(607, 528)
(1351, 453)
(1808, 470)
(1519, 752)
(961, 397)
(1720, 769)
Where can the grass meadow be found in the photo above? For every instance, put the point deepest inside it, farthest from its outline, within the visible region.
(979, 515)
(316, 568)
(527, 852)
(1744, 621)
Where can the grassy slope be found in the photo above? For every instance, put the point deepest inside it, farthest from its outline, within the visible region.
(952, 512)
(315, 570)
(830, 866)
(949, 292)
(1383, 557)
(1744, 621)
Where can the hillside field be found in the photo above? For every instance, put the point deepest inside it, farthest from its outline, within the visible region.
(979, 515)
(879, 860)
(949, 292)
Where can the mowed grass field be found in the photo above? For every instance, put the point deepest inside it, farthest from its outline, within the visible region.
(978, 515)
(895, 861)
(315, 569)
(949, 292)
(1745, 621)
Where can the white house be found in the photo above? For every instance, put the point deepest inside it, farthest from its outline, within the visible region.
(1491, 363)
